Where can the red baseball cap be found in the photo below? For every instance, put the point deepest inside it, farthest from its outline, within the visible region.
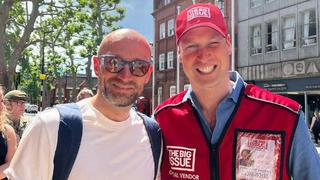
(199, 15)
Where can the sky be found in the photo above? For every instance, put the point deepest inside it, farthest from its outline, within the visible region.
(138, 16)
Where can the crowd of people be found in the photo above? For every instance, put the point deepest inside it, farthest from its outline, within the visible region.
(220, 128)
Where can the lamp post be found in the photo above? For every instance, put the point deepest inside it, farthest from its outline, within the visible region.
(178, 62)
(42, 76)
(65, 85)
(233, 21)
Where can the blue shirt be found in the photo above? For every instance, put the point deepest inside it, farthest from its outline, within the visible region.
(304, 161)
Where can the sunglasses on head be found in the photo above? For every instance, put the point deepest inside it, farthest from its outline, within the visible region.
(115, 64)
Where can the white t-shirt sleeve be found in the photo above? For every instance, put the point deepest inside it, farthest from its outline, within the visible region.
(33, 159)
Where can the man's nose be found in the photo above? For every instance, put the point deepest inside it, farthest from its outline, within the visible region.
(203, 53)
(125, 73)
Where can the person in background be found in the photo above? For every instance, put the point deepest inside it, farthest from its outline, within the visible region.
(206, 127)
(84, 93)
(115, 144)
(8, 141)
(315, 126)
(15, 107)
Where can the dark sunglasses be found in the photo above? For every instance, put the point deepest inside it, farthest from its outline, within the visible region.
(115, 64)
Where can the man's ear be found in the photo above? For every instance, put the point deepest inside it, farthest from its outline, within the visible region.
(178, 54)
(228, 41)
(96, 64)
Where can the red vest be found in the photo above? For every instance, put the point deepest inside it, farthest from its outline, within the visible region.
(254, 144)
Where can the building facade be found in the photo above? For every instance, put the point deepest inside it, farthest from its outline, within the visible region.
(279, 48)
(67, 88)
(169, 78)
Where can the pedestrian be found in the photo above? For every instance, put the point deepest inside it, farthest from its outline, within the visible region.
(15, 101)
(115, 143)
(84, 93)
(206, 127)
(8, 141)
(315, 126)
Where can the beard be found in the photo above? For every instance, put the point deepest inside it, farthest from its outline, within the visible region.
(115, 97)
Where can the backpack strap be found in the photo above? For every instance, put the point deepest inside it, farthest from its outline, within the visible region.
(155, 137)
(69, 139)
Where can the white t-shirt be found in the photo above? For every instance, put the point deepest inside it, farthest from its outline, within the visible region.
(109, 150)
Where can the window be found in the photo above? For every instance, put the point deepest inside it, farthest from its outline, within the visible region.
(162, 30)
(220, 5)
(272, 36)
(59, 92)
(255, 3)
(170, 27)
(173, 90)
(289, 32)
(269, 1)
(161, 62)
(309, 30)
(70, 95)
(167, 2)
(256, 40)
(170, 60)
(159, 95)
(186, 86)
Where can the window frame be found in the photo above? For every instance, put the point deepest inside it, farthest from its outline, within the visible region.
(172, 90)
(170, 27)
(160, 94)
(220, 5)
(162, 30)
(254, 50)
(274, 33)
(162, 62)
(170, 58)
(255, 3)
(186, 86)
(269, 1)
(284, 28)
(166, 2)
(309, 39)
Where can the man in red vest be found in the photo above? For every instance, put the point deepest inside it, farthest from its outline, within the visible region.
(210, 128)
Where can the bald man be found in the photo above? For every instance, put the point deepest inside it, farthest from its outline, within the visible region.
(115, 143)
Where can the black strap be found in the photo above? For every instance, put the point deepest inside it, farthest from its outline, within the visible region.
(154, 132)
(69, 139)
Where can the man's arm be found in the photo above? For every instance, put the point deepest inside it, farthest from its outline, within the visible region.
(34, 156)
(10, 136)
(304, 158)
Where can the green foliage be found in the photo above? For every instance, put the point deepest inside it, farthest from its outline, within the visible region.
(30, 82)
(63, 31)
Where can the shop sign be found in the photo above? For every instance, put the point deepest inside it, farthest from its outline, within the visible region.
(275, 87)
(312, 86)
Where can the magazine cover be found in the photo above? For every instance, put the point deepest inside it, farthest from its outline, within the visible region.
(258, 156)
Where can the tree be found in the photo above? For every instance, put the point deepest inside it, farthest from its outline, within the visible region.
(56, 27)
(15, 30)
(87, 22)
(97, 20)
